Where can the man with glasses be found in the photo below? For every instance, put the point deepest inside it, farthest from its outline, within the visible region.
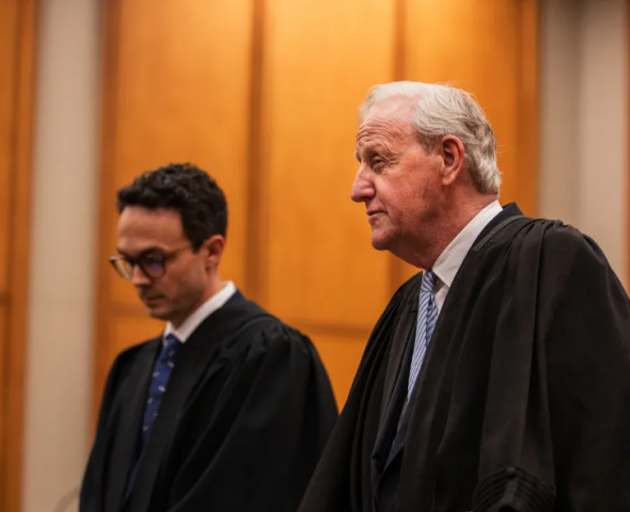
(229, 408)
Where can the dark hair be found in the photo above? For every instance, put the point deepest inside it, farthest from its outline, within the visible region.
(185, 188)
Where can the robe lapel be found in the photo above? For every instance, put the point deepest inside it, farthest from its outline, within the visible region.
(409, 315)
(432, 394)
(404, 327)
(408, 318)
(394, 390)
(509, 210)
(193, 359)
(127, 433)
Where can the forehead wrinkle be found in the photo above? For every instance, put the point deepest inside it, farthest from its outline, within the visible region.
(383, 132)
(386, 136)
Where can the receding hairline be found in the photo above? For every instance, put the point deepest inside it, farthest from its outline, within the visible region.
(371, 102)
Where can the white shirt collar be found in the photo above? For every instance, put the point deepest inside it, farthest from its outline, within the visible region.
(217, 301)
(448, 263)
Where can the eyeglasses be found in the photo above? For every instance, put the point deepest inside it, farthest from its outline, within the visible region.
(152, 263)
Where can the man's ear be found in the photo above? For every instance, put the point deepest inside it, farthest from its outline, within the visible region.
(213, 248)
(453, 153)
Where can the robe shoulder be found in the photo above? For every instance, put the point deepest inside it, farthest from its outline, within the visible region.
(400, 299)
(263, 337)
(571, 265)
(122, 365)
(569, 247)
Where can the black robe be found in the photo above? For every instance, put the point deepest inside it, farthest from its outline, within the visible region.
(245, 416)
(523, 402)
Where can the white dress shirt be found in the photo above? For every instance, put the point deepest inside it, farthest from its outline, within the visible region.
(217, 301)
(448, 263)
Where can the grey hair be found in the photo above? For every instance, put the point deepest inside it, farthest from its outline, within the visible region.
(446, 110)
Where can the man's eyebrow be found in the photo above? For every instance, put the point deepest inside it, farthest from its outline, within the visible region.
(153, 248)
(375, 148)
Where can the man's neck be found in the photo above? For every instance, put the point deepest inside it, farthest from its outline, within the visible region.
(214, 286)
(424, 253)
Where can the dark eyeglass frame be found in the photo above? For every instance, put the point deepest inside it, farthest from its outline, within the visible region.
(151, 262)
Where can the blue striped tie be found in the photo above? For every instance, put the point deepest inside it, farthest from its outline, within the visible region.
(427, 317)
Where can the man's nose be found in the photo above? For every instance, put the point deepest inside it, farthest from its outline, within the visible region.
(362, 188)
(138, 277)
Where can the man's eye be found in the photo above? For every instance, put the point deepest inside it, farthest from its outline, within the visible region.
(153, 263)
(152, 259)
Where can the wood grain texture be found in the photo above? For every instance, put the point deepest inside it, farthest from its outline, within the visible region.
(17, 62)
(321, 59)
(103, 353)
(490, 49)
(183, 95)
(341, 356)
(9, 44)
(526, 177)
(130, 329)
(264, 95)
(255, 281)
(177, 89)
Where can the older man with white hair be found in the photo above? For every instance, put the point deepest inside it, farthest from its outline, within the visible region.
(498, 379)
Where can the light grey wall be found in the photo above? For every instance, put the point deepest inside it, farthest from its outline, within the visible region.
(559, 110)
(584, 133)
(60, 341)
(603, 127)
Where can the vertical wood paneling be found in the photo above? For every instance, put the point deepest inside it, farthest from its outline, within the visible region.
(9, 16)
(526, 175)
(320, 60)
(104, 350)
(480, 53)
(17, 51)
(257, 212)
(489, 48)
(177, 90)
(341, 353)
(264, 95)
(183, 95)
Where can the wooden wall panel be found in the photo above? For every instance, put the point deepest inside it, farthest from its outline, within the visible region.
(183, 95)
(8, 58)
(479, 53)
(3, 397)
(341, 356)
(320, 60)
(17, 50)
(489, 49)
(264, 94)
(177, 90)
(132, 326)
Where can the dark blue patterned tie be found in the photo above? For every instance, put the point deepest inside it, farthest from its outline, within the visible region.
(162, 369)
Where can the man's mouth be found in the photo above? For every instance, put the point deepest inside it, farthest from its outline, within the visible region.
(151, 299)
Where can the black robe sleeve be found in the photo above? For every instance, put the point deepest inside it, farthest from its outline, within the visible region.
(270, 411)
(556, 433)
(524, 399)
(339, 482)
(92, 491)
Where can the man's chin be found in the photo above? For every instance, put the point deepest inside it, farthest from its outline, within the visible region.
(158, 313)
(380, 243)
